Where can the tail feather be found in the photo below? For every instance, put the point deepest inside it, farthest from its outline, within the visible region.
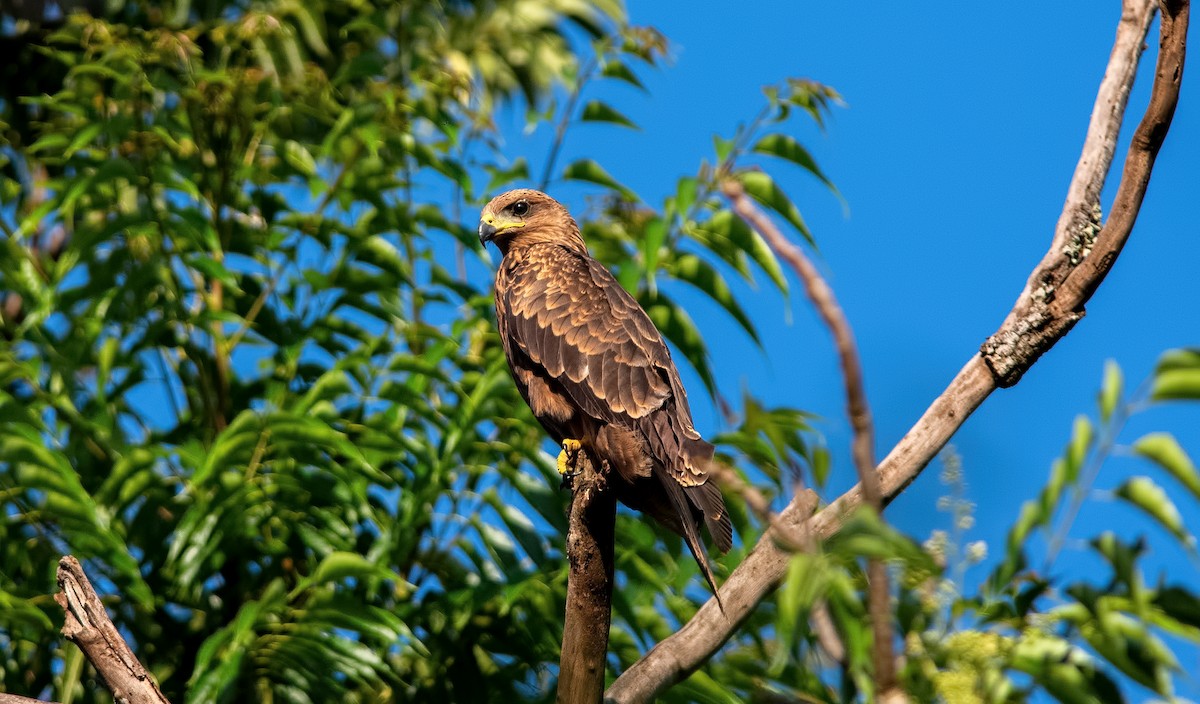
(707, 497)
(691, 534)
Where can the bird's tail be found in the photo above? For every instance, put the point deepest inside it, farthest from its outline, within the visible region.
(698, 460)
(707, 498)
(691, 533)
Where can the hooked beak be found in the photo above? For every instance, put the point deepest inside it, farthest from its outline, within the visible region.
(487, 231)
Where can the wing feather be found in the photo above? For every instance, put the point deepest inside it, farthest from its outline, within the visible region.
(570, 316)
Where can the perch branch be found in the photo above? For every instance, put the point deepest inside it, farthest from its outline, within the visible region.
(589, 585)
(677, 656)
(863, 445)
(88, 626)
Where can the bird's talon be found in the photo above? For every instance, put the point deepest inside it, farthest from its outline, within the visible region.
(566, 458)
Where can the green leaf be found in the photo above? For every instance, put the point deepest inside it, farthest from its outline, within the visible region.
(213, 270)
(299, 158)
(620, 71)
(653, 235)
(1165, 451)
(1177, 376)
(685, 195)
(597, 111)
(820, 465)
(1110, 390)
(1149, 497)
(800, 589)
(517, 171)
(723, 148)
(590, 171)
(83, 138)
(730, 238)
(1065, 671)
(1176, 385)
(1082, 438)
(762, 188)
(1180, 359)
(787, 148)
(867, 535)
(1181, 604)
(699, 273)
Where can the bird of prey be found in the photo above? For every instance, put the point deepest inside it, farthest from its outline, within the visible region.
(596, 372)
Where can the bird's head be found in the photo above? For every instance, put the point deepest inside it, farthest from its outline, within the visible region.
(524, 217)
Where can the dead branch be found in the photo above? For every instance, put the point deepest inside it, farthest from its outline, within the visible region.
(677, 656)
(88, 626)
(589, 585)
(863, 444)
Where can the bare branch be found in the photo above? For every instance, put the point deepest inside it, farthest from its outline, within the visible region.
(589, 585)
(18, 699)
(677, 656)
(863, 445)
(1031, 327)
(88, 626)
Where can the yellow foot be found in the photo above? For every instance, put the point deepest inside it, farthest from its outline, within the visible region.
(566, 458)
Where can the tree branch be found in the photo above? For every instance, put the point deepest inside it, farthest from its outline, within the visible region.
(589, 585)
(1030, 327)
(677, 656)
(88, 626)
(863, 445)
(18, 699)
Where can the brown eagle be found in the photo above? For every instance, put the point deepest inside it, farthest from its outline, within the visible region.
(596, 372)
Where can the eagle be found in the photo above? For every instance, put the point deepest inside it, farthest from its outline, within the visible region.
(596, 372)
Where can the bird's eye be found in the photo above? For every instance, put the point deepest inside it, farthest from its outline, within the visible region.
(520, 208)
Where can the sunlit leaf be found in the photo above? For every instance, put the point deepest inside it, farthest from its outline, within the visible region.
(1110, 390)
(788, 148)
(598, 111)
(1164, 450)
(1149, 497)
(592, 172)
(763, 189)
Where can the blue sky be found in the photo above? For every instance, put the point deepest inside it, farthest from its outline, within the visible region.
(962, 126)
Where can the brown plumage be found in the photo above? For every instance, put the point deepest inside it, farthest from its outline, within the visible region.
(593, 368)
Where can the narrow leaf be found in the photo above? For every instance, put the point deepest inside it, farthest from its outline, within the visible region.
(1110, 391)
(699, 273)
(1148, 496)
(788, 148)
(763, 189)
(299, 158)
(597, 111)
(1164, 450)
(622, 72)
(588, 170)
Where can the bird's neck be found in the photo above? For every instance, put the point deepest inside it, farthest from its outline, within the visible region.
(517, 246)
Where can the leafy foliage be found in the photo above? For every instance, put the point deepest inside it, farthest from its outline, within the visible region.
(249, 373)
(1025, 632)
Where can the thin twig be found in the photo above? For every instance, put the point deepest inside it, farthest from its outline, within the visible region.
(693, 644)
(859, 412)
(560, 131)
(88, 626)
